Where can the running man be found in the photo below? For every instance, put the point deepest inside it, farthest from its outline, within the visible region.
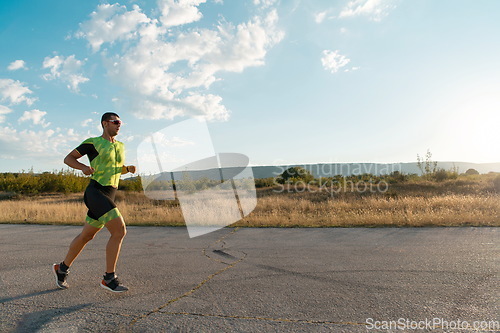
(106, 156)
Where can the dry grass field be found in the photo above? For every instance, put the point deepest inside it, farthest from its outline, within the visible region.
(466, 201)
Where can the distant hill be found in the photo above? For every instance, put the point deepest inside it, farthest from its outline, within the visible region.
(348, 169)
(331, 169)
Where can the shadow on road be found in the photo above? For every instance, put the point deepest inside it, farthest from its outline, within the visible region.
(38, 293)
(33, 322)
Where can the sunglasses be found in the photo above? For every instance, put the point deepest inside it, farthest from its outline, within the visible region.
(115, 121)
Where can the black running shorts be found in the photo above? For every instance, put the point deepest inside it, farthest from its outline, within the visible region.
(100, 202)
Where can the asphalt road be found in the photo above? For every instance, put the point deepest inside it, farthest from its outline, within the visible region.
(251, 280)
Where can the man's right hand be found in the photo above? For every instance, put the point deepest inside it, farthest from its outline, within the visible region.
(88, 170)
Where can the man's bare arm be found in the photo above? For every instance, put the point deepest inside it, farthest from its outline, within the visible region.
(72, 160)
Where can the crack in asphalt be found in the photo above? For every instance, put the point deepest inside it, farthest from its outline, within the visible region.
(224, 254)
(199, 285)
(288, 320)
(220, 251)
(302, 321)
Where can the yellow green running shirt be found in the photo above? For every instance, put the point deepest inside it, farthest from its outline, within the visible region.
(107, 159)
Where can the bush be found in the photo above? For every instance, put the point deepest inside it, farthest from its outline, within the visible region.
(441, 175)
(131, 184)
(21, 183)
(472, 172)
(428, 166)
(295, 174)
(31, 183)
(397, 177)
(265, 182)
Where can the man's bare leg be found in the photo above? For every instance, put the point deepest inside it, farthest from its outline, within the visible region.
(61, 270)
(117, 229)
(79, 243)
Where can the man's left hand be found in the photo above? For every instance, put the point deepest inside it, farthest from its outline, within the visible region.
(131, 168)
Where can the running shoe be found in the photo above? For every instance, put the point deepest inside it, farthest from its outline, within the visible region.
(113, 285)
(60, 277)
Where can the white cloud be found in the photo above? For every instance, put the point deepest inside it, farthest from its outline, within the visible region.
(320, 17)
(36, 116)
(333, 61)
(245, 45)
(48, 144)
(66, 69)
(3, 111)
(15, 65)
(87, 122)
(264, 3)
(374, 9)
(175, 13)
(167, 72)
(110, 23)
(352, 69)
(14, 92)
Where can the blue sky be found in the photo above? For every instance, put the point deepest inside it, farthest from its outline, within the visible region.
(283, 82)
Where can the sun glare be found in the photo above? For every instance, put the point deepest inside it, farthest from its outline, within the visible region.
(470, 129)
